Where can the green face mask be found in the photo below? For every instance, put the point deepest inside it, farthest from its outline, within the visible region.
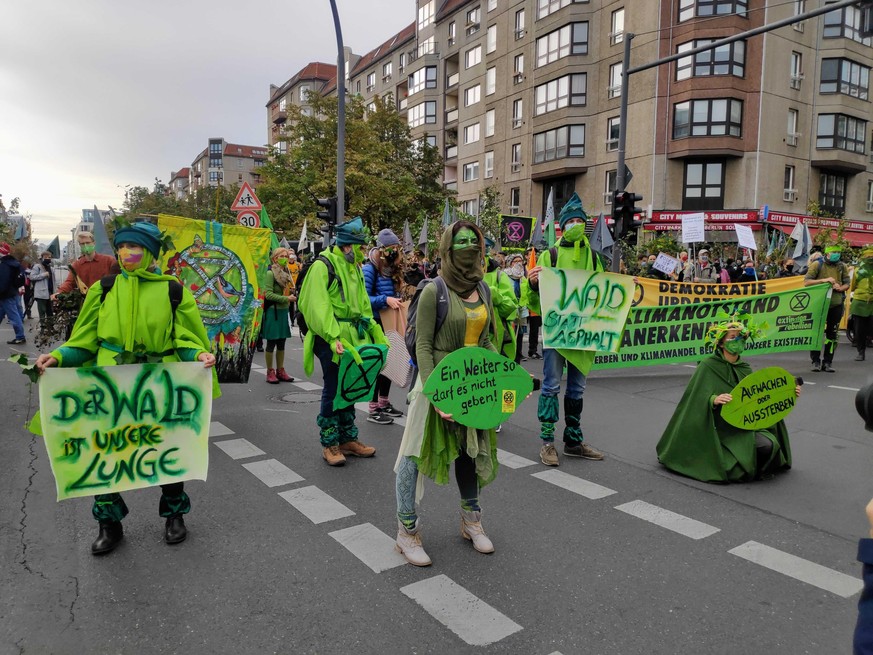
(359, 254)
(465, 238)
(282, 261)
(88, 249)
(735, 346)
(574, 233)
(834, 257)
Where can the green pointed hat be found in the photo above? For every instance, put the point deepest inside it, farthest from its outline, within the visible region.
(351, 232)
(573, 209)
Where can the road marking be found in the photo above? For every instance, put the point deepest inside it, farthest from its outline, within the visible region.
(579, 486)
(258, 367)
(272, 473)
(370, 545)
(307, 386)
(365, 408)
(271, 409)
(807, 382)
(513, 461)
(316, 505)
(469, 617)
(690, 365)
(667, 519)
(262, 371)
(217, 429)
(833, 386)
(799, 568)
(239, 448)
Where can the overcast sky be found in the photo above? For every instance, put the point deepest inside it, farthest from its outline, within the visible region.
(99, 94)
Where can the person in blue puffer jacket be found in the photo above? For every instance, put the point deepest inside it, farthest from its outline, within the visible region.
(380, 278)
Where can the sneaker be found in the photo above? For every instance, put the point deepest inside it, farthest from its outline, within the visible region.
(379, 418)
(357, 449)
(523, 358)
(859, 357)
(536, 356)
(583, 450)
(17, 342)
(816, 366)
(548, 454)
(826, 368)
(498, 428)
(390, 410)
(333, 456)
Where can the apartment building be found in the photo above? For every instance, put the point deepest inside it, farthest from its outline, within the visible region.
(226, 164)
(525, 95)
(314, 77)
(179, 182)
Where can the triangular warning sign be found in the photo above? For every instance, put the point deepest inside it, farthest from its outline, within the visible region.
(246, 199)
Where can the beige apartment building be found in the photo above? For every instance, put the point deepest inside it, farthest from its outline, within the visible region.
(222, 163)
(525, 94)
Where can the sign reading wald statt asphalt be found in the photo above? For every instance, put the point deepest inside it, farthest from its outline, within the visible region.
(584, 310)
(761, 399)
(478, 387)
(116, 428)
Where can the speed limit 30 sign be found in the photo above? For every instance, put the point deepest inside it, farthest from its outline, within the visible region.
(248, 218)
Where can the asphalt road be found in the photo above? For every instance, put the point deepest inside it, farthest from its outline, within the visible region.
(288, 555)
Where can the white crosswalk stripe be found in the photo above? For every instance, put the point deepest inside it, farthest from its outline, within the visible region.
(586, 488)
(370, 545)
(513, 461)
(239, 448)
(666, 519)
(303, 385)
(217, 429)
(272, 473)
(316, 505)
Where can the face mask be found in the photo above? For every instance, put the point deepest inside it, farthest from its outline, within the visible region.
(704, 258)
(282, 261)
(46, 262)
(467, 258)
(750, 271)
(516, 270)
(834, 257)
(789, 268)
(735, 346)
(391, 256)
(88, 249)
(465, 238)
(130, 257)
(292, 258)
(575, 233)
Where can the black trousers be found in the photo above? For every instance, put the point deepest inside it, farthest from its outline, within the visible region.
(862, 331)
(533, 334)
(829, 347)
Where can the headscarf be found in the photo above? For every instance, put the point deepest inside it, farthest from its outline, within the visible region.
(461, 273)
(281, 274)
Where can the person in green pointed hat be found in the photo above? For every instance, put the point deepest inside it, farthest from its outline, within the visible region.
(574, 252)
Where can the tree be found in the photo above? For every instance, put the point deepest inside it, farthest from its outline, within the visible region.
(202, 204)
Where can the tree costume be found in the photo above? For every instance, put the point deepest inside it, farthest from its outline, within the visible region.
(861, 308)
(505, 308)
(698, 443)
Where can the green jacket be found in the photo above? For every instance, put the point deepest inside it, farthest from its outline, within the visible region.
(505, 309)
(839, 271)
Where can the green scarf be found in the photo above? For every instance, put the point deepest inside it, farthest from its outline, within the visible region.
(461, 270)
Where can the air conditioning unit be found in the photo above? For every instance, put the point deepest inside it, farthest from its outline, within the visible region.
(795, 81)
(789, 195)
(791, 139)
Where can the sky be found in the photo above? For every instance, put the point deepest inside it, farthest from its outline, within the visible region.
(96, 95)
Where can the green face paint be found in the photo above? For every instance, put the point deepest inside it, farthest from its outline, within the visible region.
(465, 238)
(574, 233)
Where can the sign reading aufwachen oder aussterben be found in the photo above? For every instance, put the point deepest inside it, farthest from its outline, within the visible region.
(676, 333)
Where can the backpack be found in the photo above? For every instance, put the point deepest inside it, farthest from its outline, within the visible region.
(174, 290)
(442, 310)
(299, 318)
(596, 258)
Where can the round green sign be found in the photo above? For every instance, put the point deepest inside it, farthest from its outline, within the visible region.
(761, 399)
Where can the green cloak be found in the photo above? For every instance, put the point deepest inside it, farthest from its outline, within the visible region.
(505, 308)
(699, 444)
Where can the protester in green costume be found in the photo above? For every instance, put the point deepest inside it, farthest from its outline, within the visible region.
(698, 442)
(279, 293)
(829, 270)
(572, 251)
(505, 307)
(333, 327)
(135, 321)
(431, 439)
(861, 308)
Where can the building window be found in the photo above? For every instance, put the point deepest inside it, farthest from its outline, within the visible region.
(214, 147)
(613, 130)
(473, 56)
(470, 207)
(717, 117)
(796, 70)
(472, 95)
(518, 65)
(471, 133)
(214, 176)
(832, 192)
(422, 113)
(471, 171)
(869, 207)
(489, 164)
(570, 90)
(490, 81)
(515, 200)
(519, 24)
(425, 15)
(609, 187)
(358, 86)
(615, 74)
(517, 113)
(842, 132)
(846, 77)
(489, 122)
(546, 7)
(283, 104)
(704, 185)
(215, 162)
(793, 118)
(728, 59)
(452, 33)
(616, 34)
(427, 47)
(789, 191)
(371, 81)
(387, 69)
(567, 141)
(423, 78)
(491, 39)
(515, 161)
(845, 23)
(492, 5)
(402, 61)
(474, 18)
(689, 9)
(371, 108)
(571, 39)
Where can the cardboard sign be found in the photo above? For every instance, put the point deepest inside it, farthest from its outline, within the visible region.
(356, 381)
(117, 428)
(745, 236)
(478, 387)
(692, 227)
(666, 264)
(761, 399)
(584, 310)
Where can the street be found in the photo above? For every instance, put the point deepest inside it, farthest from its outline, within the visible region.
(288, 555)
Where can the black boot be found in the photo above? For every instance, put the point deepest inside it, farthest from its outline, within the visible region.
(175, 532)
(109, 537)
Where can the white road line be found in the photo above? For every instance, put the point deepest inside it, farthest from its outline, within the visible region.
(579, 486)
(258, 367)
(272, 473)
(370, 545)
(307, 386)
(365, 408)
(513, 461)
(799, 568)
(262, 371)
(239, 448)
(833, 386)
(273, 409)
(469, 617)
(217, 429)
(690, 365)
(805, 382)
(667, 519)
(316, 505)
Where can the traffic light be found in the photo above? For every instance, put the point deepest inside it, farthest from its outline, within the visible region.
(623, 212)
(329, 213)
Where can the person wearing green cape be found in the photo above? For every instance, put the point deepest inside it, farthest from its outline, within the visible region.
(136, 318)
(698, 442)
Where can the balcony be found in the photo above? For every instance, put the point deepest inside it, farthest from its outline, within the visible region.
(451, 152)
(424, 50)
(452, 80)
(452, 116)
(451, 186)
(280, 116)
(401, 104)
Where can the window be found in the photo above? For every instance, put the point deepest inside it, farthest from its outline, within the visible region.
(470, 207)
(472, 95)
(283, 104)
(571, 39)
(869, 207)
(842, 132)
(387, 69)
(846, 77)
(717, 117)
(371, 108)
(704, 185)
(517, 113)
(239, 164)
(691, 8)
(567, 141)
(570, 90)
(473, 56)
(215, 162)
(423, 78)
(796, 70)
(789, 192)
(609, 187)
(546, 7)
(371, 81)
(492, 5)
(799, 8)
(425, 15)
(793, 116)
(832, 192)
(489, 164)
(422, 113)
(519, 24)
(214, 147)
(491, 39)
(471, 172)
(845, 23)
(358, 86)
(490, 81)
(728, 59)
(615, 74)
(613, 129)
(515, 200)
(473, 19)
(452, 33)
(427, 47)
(402, 61)
(214, 176)
(489, 122)
(518, 64)
(616, 34)
(515, 161)
(471, 133)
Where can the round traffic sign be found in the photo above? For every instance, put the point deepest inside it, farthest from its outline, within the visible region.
(248, 218)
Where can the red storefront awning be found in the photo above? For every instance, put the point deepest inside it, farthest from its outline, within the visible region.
(855, 239)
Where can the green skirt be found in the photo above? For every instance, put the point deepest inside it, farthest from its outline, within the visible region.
(861, 308)
(276, 324)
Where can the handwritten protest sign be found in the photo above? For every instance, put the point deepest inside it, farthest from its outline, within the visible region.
(761, 399)
(478, 387)
(584, 310)
(692, 227)
(666, 264)
(355, 381)
(745, 237)
(116, 428)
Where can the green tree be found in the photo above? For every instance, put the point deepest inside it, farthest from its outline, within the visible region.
(201, 204)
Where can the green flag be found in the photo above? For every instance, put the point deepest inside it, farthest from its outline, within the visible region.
(265, 222)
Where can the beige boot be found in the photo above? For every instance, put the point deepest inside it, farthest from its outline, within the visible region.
(409, 545)
(471, 528)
